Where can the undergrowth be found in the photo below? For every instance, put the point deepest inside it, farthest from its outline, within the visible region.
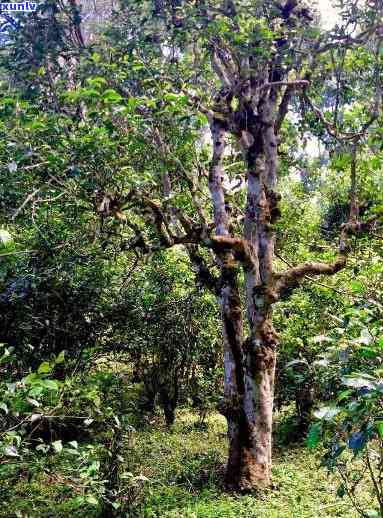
(183, 471)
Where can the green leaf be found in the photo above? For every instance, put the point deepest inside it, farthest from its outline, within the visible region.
(179, 99)
(4, 407)
(57, 446)
(37, 125)
(132, 103)
(72, 451)
(96, 82)
(89, 93)
(138, 66)
(111, 96)
(36, 391)
(343, 395)
(357, 287)
(50, 384)
(44, 368)
(32, 379)
(92, 500)
(77, 502)
(60, 358)
(368, 352)
(96, 58)
(314, 436)
(379, 427)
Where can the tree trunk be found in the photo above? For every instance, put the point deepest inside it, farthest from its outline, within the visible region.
(249, 364)
(250, 428)
(249, 392)
(304, 402)
(169, 399)
(249, 416)
(147, 400)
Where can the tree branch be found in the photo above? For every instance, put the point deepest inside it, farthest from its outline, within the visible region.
(283, 109)
(293, 276)
(242, 249)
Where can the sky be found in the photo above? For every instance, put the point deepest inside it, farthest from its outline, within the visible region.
(328, 12)
(329, 19)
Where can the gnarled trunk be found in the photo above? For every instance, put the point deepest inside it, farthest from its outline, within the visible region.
(250, 429)
(250, 362)
(249, 389)
(248, 408)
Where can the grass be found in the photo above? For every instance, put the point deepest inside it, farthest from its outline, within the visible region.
(184, 467)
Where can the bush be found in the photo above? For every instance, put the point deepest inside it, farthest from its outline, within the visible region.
(350, 428)
(74, 427)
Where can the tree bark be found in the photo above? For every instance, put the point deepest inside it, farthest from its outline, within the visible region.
(249, 417)
(249, 363)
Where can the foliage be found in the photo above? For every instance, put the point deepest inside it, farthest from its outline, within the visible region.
(75, 426)
(106, 162)
(350, 427)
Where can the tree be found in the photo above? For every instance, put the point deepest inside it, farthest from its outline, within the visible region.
(261, 57)
(239, 67)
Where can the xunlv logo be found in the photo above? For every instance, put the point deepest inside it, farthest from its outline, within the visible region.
(19, 6)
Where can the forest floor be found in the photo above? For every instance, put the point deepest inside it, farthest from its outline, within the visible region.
(183, 467)
(186, 467)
